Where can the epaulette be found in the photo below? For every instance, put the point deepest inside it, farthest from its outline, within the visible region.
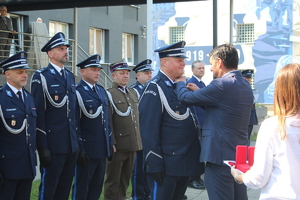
(41, 70)
(156, 79)
(132, 86)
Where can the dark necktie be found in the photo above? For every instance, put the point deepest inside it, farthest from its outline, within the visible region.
(94, 88)
(20, 96)
(201, 84)
(63, 73)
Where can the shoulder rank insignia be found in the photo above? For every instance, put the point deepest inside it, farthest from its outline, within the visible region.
(8, 93)
(85, 88)
(52, 71)
(141, 87)
(168, 83)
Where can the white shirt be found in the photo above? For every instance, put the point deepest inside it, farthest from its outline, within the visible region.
(198, 79)
(58, 69)
(15, 90)
(276, 166)
(90, 85)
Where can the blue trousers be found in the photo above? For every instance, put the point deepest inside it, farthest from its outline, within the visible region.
(140, 189)
(88, 180)
(220, 184)
(16, 189)
(173, 187)
(56, 180)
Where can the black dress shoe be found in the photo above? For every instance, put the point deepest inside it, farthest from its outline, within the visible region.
(184, 197)
(196, 184)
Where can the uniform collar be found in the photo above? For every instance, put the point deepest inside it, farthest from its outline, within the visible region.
(58, 69)
(173, 82)
(90, 85)
(15, 90)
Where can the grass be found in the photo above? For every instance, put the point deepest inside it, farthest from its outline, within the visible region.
(35, 191)
(253, 136)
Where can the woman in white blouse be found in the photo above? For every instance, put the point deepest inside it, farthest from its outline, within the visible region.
(276, 168)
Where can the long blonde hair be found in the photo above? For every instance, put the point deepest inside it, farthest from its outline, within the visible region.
(287, 95)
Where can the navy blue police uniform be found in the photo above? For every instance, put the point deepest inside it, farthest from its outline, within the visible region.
(94, 132)
(140, 188)
(57, 142)
(17, 136)
(169, 134)
(253, 117)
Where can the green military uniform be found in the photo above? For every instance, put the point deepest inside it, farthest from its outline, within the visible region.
(126, 135)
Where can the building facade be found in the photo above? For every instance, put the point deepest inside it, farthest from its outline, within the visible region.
(265, 32)
(114, 32)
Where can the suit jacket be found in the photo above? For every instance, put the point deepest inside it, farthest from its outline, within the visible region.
(228, 101)
(170, 145)
(200, 112)
(17, 150)
(5, 27)
(56, 127)
(126, 129)
(94, 134)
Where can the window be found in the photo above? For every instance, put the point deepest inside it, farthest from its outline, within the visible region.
(128, 47)
(245, 33)
(55, 27)
(176, 34)
(96, 45)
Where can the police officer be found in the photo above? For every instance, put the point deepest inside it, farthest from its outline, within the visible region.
(126, 132)
(169, 130)
(17, 131)
(140, 189)
(143, 72)
(247, 74)
(53, 89)
(94, 132)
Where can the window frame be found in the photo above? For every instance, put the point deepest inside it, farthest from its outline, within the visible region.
(125, 50)
(95, 42)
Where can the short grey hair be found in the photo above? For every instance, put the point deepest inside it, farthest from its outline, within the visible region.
(195, 62)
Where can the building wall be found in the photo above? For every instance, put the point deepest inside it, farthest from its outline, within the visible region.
(115, 20)
(275, 44)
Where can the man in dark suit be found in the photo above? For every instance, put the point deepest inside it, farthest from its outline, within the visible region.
(5, 37)
(17, 131)
(140, 188)
(53, 89)
(94, 131)
(126, 132)
(198, 69)
(247, 74)
(228, 101)
(169, 130)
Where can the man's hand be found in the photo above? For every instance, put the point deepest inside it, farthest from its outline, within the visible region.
(181, 78)
(82, 159)
(45, 157)
(158, 177)
(1, 182)
(192, 87)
